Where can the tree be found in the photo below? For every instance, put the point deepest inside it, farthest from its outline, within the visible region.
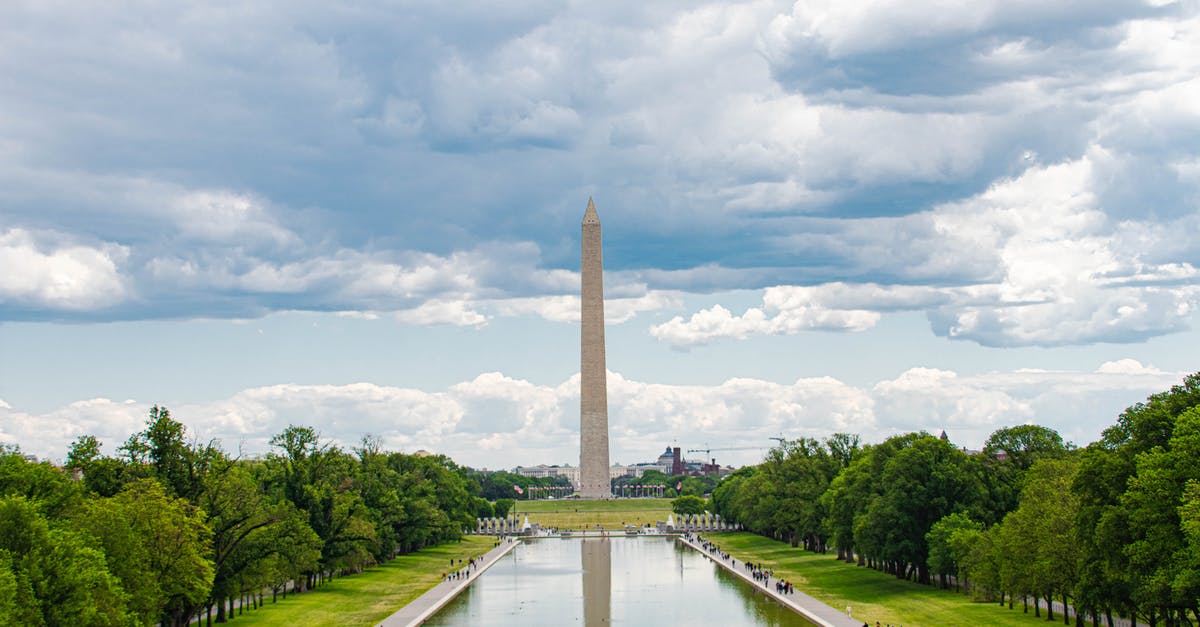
(156, 546)
(59, 579)
(1040, 554)
(688, 504)
(162, 445)
(10, 611)
(920, 484)
(85, 450)
(1157, 547)
(950, 540)
(1008, 454)
(102, 475)
(1130, 486)
(1023, 445)
(239, 513)
(1189, 516)
(46, 487)
(502, 507)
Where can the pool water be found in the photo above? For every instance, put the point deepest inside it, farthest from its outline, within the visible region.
(620, 581)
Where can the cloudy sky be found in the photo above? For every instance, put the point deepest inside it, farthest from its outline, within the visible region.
(869, 217)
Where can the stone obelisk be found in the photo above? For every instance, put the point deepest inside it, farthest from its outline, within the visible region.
(593, 384)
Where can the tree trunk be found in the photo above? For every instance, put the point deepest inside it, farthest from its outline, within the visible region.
(1037, 606)
(1049, 607)
(1066, 614)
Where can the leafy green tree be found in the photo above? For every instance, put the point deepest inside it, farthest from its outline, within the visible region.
(851, 495)
(47, 487)
(85, 450)
(1040, 552)
(163, 446)
(1023, 445)
(9, 610)
(981, 562)
(725, 495)
(652, 477)
(802, 470)
(1008, 454)
(1158, 550)
(156, 546)
(59, 578)
(950, 540)
(920, 484)
(1120, 534)
(1188, 577)
(688, 504)
(239, 513)
(847, 499)
(693, 486)
(503, 507)
(104, 476)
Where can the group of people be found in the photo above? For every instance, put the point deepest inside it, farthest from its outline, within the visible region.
(756, 570)
(765, 575)
(465, 567)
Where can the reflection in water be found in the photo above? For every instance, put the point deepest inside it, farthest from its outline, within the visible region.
(618, 581)
(597, 581)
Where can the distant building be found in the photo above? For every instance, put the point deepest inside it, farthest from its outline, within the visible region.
(571, 473)
(672, 461)
(542, 471)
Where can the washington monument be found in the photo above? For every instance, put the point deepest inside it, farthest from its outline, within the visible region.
(593, 392)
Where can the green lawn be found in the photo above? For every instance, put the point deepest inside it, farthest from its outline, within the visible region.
(580, 514)
(872, 595)
(369, 597)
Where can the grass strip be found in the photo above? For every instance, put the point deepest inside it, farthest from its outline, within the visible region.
(579, 514)
(370, 596)
(871, 595)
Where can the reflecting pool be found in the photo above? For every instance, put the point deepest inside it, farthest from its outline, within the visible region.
(619, 580)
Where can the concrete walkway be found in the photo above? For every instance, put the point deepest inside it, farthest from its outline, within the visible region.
(426, 605)
(801, 603)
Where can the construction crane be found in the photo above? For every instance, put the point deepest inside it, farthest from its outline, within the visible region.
(778, 437)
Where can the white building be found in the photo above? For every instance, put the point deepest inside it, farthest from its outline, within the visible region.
(542, 471)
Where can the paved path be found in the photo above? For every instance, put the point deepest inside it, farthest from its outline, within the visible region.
(424, 606)
(801, 603)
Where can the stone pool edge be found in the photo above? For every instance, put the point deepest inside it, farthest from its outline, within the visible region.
(799, 602)
(421, 608)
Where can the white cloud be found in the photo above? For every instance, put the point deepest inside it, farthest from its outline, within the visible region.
(457, 313)
(498, 421)
(60, 274)
(1052, 268)
(788, 310)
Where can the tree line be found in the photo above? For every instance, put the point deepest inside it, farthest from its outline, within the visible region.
(168, 528)
(1109, 529)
